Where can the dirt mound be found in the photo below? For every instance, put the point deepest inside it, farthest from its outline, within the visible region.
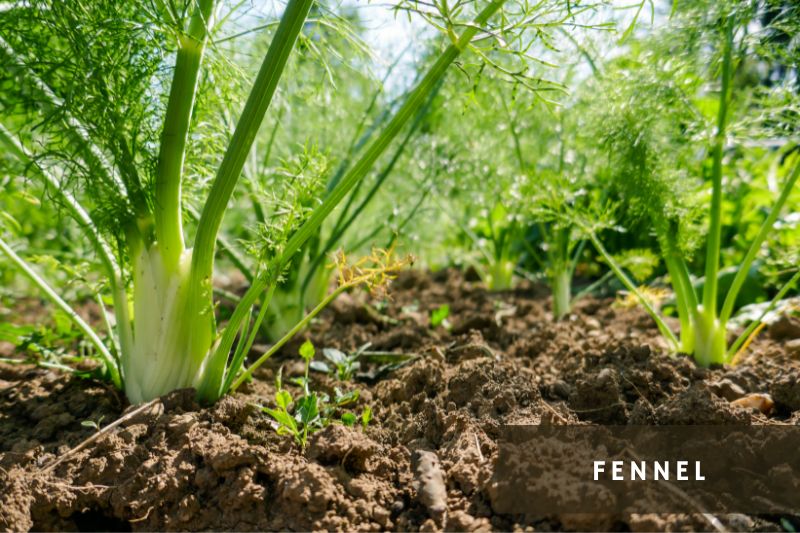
(423, 464)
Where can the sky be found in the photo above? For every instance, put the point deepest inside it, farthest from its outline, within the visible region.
(391, 34)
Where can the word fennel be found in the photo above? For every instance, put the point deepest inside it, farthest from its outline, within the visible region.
(639, 471)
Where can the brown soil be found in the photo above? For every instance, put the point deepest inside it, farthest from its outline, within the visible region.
(178, 466)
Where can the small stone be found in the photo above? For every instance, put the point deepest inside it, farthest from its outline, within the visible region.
(786, 327)
(429, 483)
(739, 522)
(181, 423)
(382, 516)
(560, 389)
(592, 324)
(758, 401)
(793, 347)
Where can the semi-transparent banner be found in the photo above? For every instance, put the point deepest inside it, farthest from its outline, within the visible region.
(547, 470)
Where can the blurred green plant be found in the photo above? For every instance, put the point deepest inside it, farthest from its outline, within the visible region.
(652, 130)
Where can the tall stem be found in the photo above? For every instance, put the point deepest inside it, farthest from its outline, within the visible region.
(687, 308)
(662, 326)
(286, 338)
(414, 101)
(715, 227)
(235, 156)
(562, 293)
(172, 151)
(763, 232)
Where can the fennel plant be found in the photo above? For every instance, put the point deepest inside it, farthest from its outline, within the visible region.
(653, 172)
(83, 116)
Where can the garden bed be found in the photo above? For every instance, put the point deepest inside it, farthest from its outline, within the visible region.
(175, 465)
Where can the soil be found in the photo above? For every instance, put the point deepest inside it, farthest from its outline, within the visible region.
(423, 463)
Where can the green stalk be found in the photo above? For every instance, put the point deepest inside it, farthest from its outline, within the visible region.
(343, 225)
(209, 390)
(562, 293)
(576, 256)
(686, 311)
(662, 326)
(685, 295)
(715, 228)
(235, 156)
(286, 338)
(228, 249)
(244, 347)
(86, 329)
(763, 233)
(201, 295)
(172, 151)
(732, 351)
(239, 355)
(560, 268)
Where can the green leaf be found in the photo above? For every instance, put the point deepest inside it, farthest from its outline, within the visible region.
(283, 399)
(320, 366)
(640, 262)
(307, 351)
(344, 399)
(335, 356)
(366, 416)
(13, 333)
(283, 418)
(307, 409)
(439, 315)
(63, 323)
(349, 419)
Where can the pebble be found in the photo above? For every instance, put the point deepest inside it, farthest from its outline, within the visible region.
(397, 507)
(761, 402)
(592, 324)
(560, 388)
(429, 483)
(786, 327)
(793, 347)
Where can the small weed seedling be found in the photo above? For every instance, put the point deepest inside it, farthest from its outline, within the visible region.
(343, 365)
(311, 411)
(439, 317)
(94, 424)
